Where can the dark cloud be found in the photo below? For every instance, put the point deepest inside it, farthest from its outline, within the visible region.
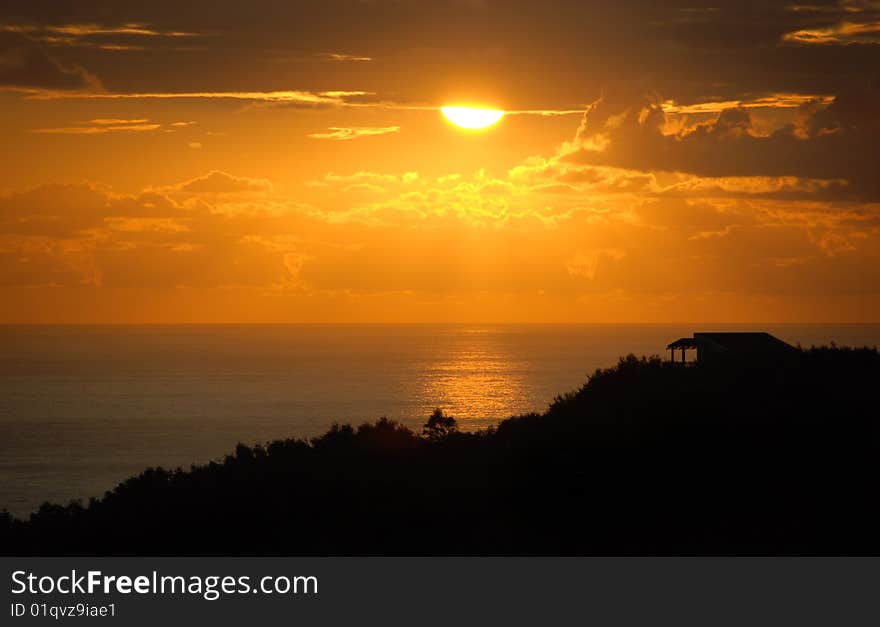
(840, 141)
(53, 210)
(71, 210)
(25, 64)
(556, 53)
(217, 182)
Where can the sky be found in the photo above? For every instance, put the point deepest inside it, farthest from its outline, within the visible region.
(279, 161)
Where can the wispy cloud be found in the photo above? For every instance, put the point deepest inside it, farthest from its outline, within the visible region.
(124, 37)
(341, 56)
(353, 132)
(327, 98)
(90, 30)
(116, 121)
(100, 126)
(143, 30)
(546, 113)
(840, 7)
(844, 33)
(771, 101)
(97, 129)
(361, 99)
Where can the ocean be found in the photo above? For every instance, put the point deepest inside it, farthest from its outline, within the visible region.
(84, 407)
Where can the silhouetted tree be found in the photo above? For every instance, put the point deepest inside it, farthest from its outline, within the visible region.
(439, 426)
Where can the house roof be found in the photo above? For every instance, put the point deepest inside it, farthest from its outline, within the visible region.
(736, 343)
(684, 342)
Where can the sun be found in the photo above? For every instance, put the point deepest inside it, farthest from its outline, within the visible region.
(472, 117)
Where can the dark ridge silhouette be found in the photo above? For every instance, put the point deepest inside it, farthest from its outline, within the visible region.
(776, 457)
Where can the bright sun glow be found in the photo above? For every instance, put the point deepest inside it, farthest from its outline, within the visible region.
(471, 117)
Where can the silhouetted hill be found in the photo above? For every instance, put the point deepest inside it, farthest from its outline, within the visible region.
(646, 458)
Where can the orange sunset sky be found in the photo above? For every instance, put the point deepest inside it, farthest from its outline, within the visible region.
(287, 161)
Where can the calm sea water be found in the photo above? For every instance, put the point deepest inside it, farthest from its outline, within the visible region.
(82, 408)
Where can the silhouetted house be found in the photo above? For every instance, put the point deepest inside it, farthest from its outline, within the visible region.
(729, 346)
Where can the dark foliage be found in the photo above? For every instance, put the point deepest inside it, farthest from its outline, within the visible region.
(646, 458)
(439, 426)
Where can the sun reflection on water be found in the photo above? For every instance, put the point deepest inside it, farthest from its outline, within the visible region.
(477, 380)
